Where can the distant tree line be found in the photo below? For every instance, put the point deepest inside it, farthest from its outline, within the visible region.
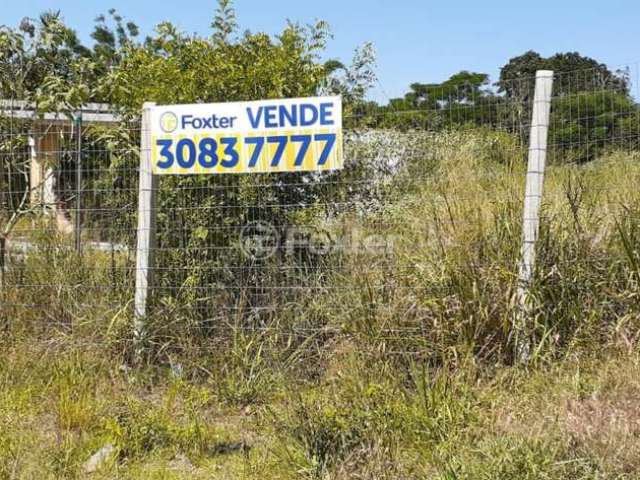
(592, 108)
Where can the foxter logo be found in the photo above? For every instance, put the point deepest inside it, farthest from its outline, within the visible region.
(168, 122)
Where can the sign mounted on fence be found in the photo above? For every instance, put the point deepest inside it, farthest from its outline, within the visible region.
(292, 135)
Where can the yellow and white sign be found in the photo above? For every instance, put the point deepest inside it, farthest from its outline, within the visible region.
(292, 135)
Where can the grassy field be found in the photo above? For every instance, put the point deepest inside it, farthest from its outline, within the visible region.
(575, 419)
(408, 369)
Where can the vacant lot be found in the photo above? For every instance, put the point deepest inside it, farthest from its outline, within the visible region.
(404, 371)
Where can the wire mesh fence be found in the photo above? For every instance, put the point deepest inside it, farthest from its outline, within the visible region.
(412, 247)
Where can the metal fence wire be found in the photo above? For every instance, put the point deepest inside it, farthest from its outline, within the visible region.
(428, 206)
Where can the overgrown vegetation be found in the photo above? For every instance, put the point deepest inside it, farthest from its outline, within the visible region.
(401, 372)
(377, 343)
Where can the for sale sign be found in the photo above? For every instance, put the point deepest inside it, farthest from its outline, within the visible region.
(292, 135)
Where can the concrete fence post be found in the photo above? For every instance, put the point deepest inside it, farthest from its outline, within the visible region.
(78, 220)
(147, 193)
(532, 201)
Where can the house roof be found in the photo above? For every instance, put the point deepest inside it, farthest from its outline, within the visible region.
(91, 112)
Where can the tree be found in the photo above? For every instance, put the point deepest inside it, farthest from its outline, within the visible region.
(592, 105)
(224, 22)
(574, 73)
(170, 67)
(32, 57)
(111, 34)
(36, 52)
(44, 62)
(462, 87)
(464, 98)
(352, 81)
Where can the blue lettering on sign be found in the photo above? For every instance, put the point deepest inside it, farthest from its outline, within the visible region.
(186, 151)
(270, 117)
(254, 120)
(288, 115)
(325, 114)
(280, 116)
(308, 114)
(211, 122)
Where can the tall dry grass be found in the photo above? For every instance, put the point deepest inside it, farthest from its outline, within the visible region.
(391, 361)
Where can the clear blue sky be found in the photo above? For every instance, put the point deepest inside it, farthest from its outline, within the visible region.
(416, 40)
